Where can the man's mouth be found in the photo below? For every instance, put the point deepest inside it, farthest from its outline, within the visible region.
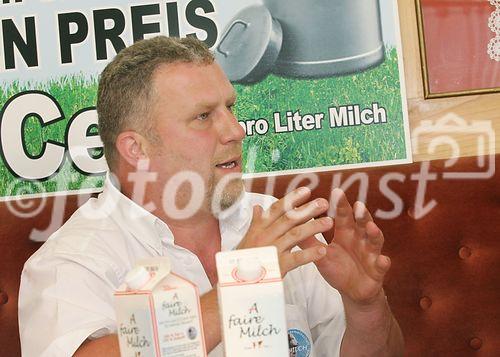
(228, 165)
(231, 164)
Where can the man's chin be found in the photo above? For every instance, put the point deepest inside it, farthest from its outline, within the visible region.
(230, 195)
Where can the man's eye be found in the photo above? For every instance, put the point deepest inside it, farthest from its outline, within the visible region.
(203, 116)
(230, 107)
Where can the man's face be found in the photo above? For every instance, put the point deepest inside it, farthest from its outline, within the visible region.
(197, 130)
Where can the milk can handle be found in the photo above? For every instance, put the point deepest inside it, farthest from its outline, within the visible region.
(225, 54)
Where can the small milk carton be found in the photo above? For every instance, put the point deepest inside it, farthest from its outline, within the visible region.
(252, 303)
(158, 313)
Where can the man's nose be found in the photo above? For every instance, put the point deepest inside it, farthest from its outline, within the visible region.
(230, 129)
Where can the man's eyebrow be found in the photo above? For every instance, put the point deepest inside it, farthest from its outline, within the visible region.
(205, 106)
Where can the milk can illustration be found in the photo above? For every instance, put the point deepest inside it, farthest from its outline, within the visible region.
(302, 39)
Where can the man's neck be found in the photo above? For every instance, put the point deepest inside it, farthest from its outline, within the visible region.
(201, 237)
(197, 233)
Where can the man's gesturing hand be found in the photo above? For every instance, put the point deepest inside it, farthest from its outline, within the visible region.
(286, 224)
(353, 263)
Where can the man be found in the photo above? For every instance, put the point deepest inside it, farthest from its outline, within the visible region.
(173, 146)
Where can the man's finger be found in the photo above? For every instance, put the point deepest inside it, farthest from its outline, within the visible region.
(287, 203)
(256, 218)
(301, 257)
(361, 214)
(343, 210)
(303, 232)
(374, 236)
(296, 217)
(257, 212)
(383, 263)
(310, 242)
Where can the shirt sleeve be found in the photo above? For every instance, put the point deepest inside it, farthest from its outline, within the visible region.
(325, 313)
(63, 300)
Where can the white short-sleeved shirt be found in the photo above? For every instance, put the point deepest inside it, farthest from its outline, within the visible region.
(66, 293)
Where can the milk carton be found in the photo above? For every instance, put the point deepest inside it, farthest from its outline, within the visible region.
(158, 313)
(251, 303)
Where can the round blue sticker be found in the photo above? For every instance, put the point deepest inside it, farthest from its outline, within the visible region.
(298, 343)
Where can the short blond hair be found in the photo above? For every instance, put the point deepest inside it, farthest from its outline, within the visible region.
(125, 90)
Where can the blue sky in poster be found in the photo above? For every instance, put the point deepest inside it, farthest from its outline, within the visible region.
(83, 54)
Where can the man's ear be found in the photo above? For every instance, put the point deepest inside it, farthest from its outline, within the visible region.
(132, 147)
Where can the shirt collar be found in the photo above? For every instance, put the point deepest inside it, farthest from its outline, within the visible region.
(150, 230)
(143, 225)
(234, 222)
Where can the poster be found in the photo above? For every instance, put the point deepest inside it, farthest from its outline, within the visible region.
(325, 89)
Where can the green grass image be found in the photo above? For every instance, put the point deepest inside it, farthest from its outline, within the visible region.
(72, 93)
(329, 146)
(271, 152)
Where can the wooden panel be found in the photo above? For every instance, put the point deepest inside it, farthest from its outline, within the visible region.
(470, 108)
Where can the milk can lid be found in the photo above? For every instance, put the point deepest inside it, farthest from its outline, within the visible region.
(249, 45)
